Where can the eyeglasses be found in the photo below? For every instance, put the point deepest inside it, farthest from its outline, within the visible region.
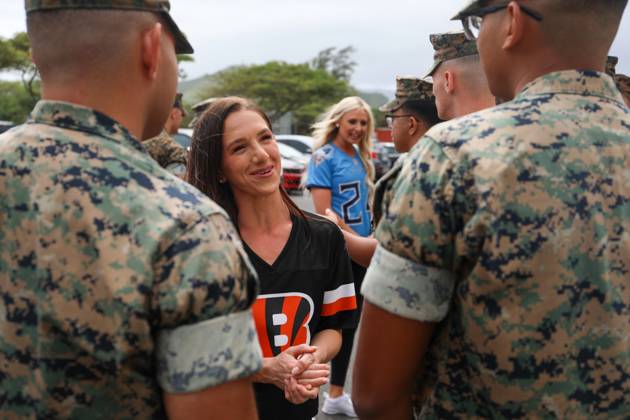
(472, 21)
(389, 119)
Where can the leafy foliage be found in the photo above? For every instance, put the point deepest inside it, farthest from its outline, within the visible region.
(336, 62)
(280, 88)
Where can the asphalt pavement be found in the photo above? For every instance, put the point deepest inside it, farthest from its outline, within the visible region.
(305, 202)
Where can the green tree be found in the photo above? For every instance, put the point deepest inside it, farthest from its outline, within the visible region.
(336, 62)
(15, 56)
(280, 88)
(15, 102)
(184, 58)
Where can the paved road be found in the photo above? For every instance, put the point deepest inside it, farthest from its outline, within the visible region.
(305, 202)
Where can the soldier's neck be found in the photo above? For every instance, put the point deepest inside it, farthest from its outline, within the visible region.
(120, 110)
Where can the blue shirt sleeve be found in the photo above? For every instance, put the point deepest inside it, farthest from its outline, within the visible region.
(319, 171)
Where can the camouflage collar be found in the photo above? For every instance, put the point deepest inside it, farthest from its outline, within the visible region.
(79, 118)
(579, 82)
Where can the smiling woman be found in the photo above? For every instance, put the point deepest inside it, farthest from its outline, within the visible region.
(306, 292)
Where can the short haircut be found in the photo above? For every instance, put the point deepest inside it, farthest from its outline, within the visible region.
(575, 26)
(425, 111)
(73, 42)
(470, 74)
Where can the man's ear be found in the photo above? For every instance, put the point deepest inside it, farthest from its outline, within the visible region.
(413, 125)
(449, 81)
(516, 26)
(152, 50)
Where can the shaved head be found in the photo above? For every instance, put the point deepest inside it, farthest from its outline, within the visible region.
(70, 43)
(575, 26)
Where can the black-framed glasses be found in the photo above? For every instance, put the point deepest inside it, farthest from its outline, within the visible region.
(389, 119)
(472, 20)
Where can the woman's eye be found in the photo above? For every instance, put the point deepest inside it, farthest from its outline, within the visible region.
(363, 123)
(238, 149)
(353, 122)
(266, 137)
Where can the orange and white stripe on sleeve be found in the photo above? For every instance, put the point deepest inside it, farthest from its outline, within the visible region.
(343, 298)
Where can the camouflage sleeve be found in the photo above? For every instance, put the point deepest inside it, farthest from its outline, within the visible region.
(411, 273)
(203, 290)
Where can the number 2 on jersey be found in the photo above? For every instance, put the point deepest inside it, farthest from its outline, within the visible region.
(353, 187)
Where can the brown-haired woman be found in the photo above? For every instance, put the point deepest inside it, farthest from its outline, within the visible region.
(306, 290)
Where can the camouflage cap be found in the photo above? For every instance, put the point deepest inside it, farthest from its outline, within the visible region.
(448, 46)
(469, 7)
(409, 88)
(611, 65)
(161, 7)
(179, 103)
(198, 108)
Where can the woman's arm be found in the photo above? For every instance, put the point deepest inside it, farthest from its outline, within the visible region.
(361, 249)
(322, 199)
(328, 343)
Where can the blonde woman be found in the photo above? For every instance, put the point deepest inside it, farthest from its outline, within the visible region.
(340, 177)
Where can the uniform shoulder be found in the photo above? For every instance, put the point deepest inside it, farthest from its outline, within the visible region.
(452, 135)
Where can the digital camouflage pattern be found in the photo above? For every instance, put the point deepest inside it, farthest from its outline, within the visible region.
(161, 7)
(409, 88)
(511, 228)
(169, 154)
(111, 269)
(449, 46)
(383, 190)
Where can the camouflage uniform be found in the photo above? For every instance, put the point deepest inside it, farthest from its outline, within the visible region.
(407, 89)
(169, 154)
(510, 227)
(117, 280)
(449, 46)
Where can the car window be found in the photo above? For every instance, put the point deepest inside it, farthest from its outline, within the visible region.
(289, 152)
(183, 140)
(298, 145)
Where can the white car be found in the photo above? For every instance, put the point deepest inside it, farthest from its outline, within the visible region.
(303, 144)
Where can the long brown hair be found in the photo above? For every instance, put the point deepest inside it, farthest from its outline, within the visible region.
(206, 154)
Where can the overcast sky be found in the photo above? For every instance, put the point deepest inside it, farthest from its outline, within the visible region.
(391, 37)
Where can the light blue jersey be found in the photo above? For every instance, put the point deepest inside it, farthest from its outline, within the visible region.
(345, 176)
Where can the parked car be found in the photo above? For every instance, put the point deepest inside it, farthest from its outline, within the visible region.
(289, 152)
(303, 144)
(6, 125)
(292, 173)
(384, 155)
(184, 137)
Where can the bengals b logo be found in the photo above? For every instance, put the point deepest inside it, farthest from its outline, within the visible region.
(282, 321)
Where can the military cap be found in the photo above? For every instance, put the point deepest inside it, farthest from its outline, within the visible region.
(611, 65)
(409, 88)
(198, 108)
(161, 7)
(470, 7)
(448, 46)
(179, 104)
